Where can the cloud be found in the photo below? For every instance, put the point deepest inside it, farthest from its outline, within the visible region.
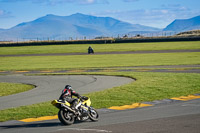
(5, 14)
(55, 2)
(156, 17)
(130, 0)
(92, 2)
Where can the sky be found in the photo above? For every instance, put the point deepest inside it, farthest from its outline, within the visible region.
(155, 13)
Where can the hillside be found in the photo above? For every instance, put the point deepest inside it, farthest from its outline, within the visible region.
(184, 24)
(73, 26)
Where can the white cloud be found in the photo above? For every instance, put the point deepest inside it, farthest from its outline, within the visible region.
(130, 0)
(5, 14)
(156, 17)
(92, 1)
(55, 2)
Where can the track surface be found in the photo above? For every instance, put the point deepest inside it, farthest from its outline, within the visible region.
(177, 117)
(171, 117)
(50, 87)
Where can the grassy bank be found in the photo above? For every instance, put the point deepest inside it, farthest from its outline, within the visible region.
(147, 87)
(92, 61)
(82, 48)
(13, 88)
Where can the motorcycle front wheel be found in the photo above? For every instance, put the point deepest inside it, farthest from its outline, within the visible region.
(93, 114)
(65, 117)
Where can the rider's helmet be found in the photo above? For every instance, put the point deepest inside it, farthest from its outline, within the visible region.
(68, 87)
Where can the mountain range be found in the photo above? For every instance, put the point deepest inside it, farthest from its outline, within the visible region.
(180, 25)
(73, 26)
(79, 26)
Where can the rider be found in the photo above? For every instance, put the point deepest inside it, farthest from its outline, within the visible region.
(67, 94)
(90, 50)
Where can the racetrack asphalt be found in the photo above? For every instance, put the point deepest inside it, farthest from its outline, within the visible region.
(176, 117)
(50, 87)
(173, 117)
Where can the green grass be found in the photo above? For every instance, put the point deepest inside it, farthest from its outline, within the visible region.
(147, 87)
(13, 88)
(82, 48)
(93, 61)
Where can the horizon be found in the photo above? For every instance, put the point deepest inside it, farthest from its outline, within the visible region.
(156, 13)
(95, 16)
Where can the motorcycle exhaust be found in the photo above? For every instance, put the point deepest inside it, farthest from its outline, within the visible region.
(68, 108)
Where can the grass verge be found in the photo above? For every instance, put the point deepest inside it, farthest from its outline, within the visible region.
(97, 61)
(13, 88)
(82, 48)
(147, 87)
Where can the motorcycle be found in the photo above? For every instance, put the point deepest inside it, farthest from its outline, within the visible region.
(68, 116)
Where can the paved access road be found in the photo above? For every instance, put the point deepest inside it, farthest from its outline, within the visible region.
(50, 87)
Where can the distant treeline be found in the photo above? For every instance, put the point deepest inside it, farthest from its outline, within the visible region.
(103, 41)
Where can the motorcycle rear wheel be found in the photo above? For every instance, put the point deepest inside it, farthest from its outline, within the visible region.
(65, 117)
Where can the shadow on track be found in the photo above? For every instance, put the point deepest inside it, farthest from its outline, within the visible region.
(36, 125)
(31, 125)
